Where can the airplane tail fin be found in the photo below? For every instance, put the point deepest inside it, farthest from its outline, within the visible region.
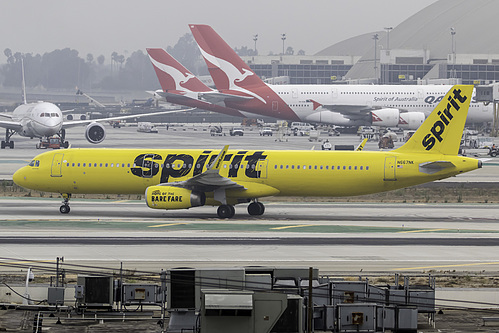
(172, 75)
(228, 70)
(442, 130)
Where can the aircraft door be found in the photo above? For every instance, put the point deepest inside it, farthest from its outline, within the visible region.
(148, 166)
(57, 165)
(390, 167)
(294, 93)
(334, 93)
(261, 169)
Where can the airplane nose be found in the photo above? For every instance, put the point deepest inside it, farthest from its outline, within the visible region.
(19, 177)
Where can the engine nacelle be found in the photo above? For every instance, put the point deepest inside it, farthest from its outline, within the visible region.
(385, 117)
(411, 120)
(95, 133)
(170, 197)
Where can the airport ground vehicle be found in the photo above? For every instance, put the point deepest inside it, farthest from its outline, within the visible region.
(236, 131)
(301, 129)
(266, 131)
(53, 142)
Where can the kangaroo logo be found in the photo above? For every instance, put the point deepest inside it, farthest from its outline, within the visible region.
(178, 77)
(233, 74)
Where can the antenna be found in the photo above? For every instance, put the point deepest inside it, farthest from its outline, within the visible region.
(23, 82)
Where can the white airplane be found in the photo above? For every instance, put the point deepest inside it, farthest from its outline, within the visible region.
(404, 106)
(44, 120)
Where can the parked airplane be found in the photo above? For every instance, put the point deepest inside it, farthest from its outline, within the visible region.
(185, 178)
(180, 86)
(346, 105)
(44, 120)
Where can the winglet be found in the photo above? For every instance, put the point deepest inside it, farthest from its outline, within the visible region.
(218, 161)
(315, 104)
(441, 132)
(361, 145)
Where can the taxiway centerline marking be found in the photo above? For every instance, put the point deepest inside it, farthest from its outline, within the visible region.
(422, 230)
(292, 226)
(165, 225)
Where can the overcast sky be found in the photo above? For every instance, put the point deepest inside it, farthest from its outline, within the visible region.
(104, 26)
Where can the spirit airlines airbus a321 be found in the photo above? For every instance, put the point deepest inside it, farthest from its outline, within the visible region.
(185, 178)
(346, 105)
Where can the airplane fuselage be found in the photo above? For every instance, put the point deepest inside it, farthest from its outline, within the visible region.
(261, 172)
(347, 102)
(38, 120)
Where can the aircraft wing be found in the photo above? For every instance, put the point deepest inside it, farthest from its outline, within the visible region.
(217, 97)
(209, 180)
(12, 125)
(68, 124)
(6, 115)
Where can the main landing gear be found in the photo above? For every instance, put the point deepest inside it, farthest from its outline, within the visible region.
(64, 209)
(7, 143)
(255, 208)
(226, 211)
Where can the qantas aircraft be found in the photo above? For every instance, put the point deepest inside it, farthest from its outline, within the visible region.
(345, 105)
(185, 178)
(180, 86)
(44, 120)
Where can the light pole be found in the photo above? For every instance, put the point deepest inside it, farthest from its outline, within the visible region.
(283, 37)
(255, 38)
(376, 37)
(453, 50)
(388, 29)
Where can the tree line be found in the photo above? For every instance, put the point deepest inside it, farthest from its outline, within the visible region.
(66, 68)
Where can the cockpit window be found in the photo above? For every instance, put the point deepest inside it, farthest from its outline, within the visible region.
(34, 163)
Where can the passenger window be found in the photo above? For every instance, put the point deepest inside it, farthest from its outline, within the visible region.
(106, 165)
(367, 168)
(84, 164)
(112, 164)
(100, 165)
(73, 165)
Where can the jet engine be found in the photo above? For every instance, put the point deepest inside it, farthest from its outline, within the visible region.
(95, 133)
(170, 197)
(411, 120)
(385, 117)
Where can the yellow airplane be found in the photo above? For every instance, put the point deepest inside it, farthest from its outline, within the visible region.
(181, 178)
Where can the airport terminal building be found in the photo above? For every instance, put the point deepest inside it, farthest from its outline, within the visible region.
(449, 39)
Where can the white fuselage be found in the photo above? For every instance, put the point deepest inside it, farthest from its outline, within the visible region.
(347, 101)
(38, 120)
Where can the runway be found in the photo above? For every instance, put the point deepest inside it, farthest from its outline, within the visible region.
(334, 237)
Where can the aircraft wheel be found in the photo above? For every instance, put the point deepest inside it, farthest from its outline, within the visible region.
(65, 144)
(11, 145)
(256, 208)
(226, 211)
(64, 209)
(3, 145)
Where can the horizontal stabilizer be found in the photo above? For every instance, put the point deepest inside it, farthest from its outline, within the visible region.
(434, 167)
(216, 97)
